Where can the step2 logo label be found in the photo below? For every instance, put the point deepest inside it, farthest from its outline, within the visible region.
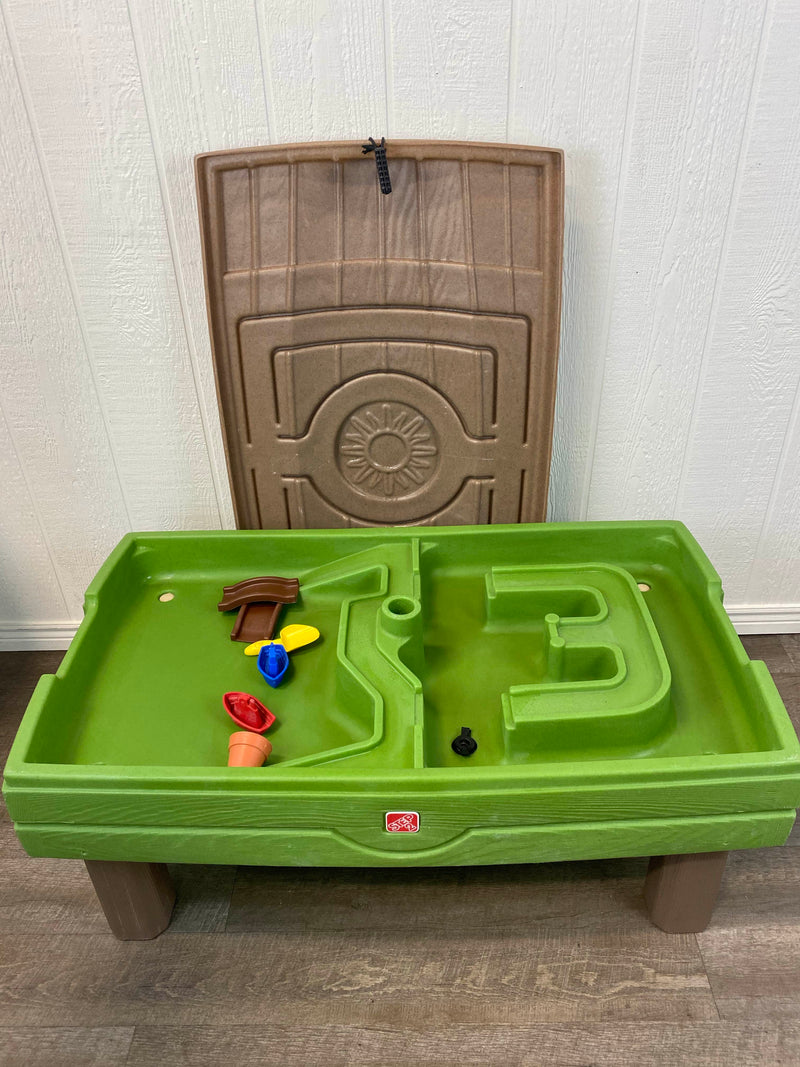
(402, 822)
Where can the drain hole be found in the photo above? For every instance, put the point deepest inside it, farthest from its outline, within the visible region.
(166, 597)
(645, 588)
(401, 605)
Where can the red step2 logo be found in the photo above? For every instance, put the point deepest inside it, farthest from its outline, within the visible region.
(402, 822)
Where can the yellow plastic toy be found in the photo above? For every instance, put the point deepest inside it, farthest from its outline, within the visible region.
(291, 637)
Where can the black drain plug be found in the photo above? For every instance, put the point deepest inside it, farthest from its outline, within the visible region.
(465, 744)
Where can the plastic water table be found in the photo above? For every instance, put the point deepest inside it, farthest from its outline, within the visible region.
(612, 708)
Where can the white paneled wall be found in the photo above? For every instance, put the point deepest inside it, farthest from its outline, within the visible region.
(680, 356)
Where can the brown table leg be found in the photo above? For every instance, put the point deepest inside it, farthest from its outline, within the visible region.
(680, 891)
(137, 898)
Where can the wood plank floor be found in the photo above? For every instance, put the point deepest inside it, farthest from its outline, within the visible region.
(543, 965)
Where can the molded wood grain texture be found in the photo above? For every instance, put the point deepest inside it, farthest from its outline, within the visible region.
(776, 294)
(137, 898)
(679, 122)
(694, 75)
(448, 69)
(384, 359)
(83, 80)
(57, 896)
(680, 891)
(201, 75)
(65, 509)
(560, 54)
(751, 359)
(323, 69)
(31, 588)
(775, 571)
(604, 981)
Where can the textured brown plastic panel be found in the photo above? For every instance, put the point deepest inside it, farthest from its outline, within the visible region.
(384, 359)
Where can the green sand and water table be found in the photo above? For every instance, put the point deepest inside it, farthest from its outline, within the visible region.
(613, 707)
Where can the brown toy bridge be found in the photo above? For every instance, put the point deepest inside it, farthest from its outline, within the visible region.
(259, 601)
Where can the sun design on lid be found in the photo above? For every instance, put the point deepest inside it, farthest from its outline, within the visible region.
(387, 450)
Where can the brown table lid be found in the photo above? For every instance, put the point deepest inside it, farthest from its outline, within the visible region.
(384, 358)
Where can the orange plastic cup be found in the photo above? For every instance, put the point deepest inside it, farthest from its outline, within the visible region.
(248, 750)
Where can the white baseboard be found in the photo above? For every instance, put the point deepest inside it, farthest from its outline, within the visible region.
(36, 636)
(746, 618)
(765, 618)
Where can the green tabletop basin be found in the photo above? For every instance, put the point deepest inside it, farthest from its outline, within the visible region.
(614, 708)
